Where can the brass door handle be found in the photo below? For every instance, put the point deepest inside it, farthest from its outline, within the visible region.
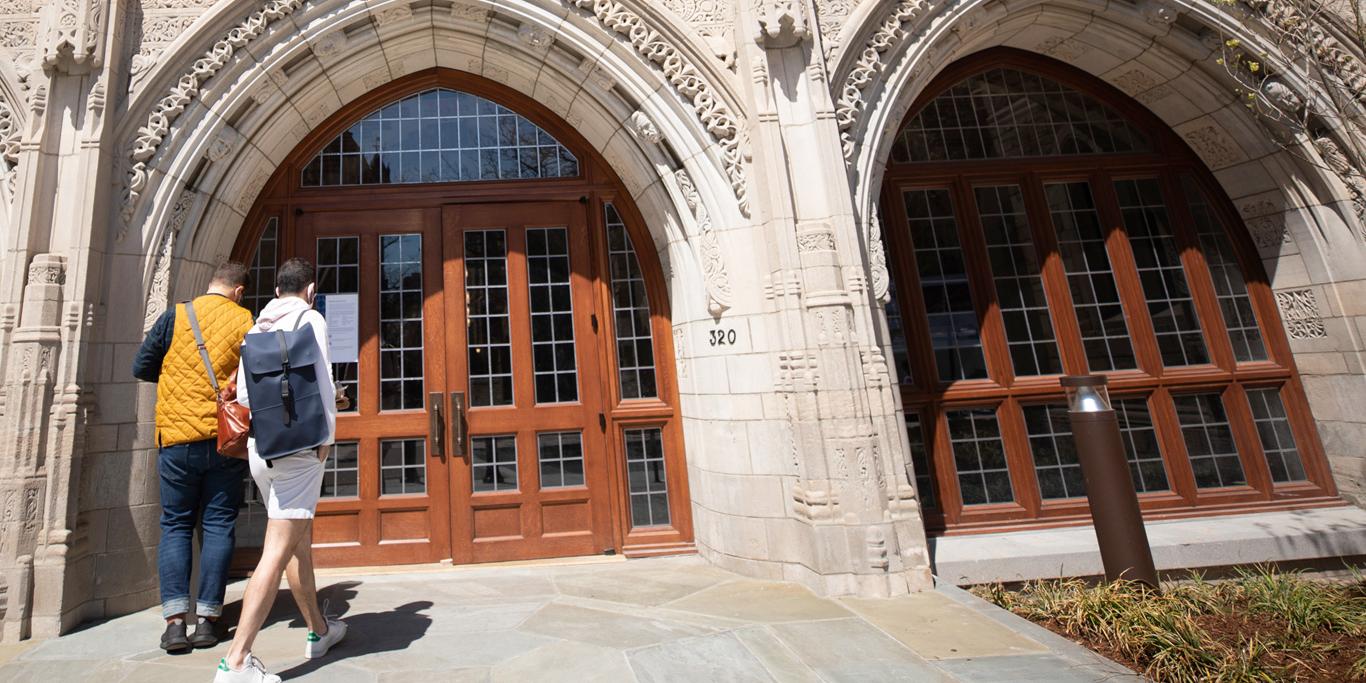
(458, 423)
(436, 427)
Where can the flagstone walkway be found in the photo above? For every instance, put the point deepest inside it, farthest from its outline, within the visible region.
(664, 619)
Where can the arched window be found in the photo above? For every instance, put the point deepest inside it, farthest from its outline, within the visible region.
(1040, 224)
(438, 136)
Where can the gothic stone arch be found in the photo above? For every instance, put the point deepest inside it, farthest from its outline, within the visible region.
(1299, 213)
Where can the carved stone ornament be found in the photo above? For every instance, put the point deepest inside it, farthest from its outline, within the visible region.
(1300, 311)
(686, 80)
(470, 11)
(818, 240)
(72, 33)
(782, 23)
(169, 108)
(719, 297)
(47, 269)
(10, 131)
(535, 37)
(158, 295)
(877, 258)
(1347, 172)
(645, 129)
(1338, 60)
(329, 44)
(888, 35)
(597, 74)
(393, 15)
(1213, 146)
(1159, 13)
(223, 144)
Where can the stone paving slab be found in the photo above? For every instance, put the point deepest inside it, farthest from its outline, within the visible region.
(651, 620)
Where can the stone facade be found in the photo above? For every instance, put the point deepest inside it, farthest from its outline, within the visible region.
(136, 134)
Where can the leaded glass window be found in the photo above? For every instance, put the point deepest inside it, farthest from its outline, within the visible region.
(1095, 297)
(954, 333)
(1045, 226)
(1170, 305)
(1229, 284)
(1006, 113)
(439, 136)
(630, 312)
(261, 284)
(339, 273)
(1019, 289)
(979, 456)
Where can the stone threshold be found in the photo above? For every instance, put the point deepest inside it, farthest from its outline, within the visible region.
(1295, 536)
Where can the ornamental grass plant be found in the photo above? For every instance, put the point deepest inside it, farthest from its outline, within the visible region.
(1261, 625)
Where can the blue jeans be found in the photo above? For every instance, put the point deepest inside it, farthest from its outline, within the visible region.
(197, 485)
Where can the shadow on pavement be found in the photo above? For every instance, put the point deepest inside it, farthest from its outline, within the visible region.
(337, 596)
(372, 633)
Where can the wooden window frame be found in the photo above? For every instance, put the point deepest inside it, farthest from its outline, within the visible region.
(1169, 161)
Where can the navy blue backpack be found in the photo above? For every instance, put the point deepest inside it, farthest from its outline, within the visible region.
(287, 413)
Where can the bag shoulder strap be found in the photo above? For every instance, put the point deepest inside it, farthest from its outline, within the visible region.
(199, 342)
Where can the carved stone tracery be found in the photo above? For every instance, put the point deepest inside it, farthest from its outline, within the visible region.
(169, 108)
(686, 80)
(708, 248)
(1300, 311)
(888, 35)
(10, 132)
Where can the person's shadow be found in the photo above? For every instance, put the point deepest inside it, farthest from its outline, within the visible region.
(338, 597)
(372, 633)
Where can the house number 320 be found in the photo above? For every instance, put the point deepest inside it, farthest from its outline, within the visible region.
(721, 337)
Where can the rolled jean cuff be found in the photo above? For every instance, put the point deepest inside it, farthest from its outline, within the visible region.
(176, 606)
(208, 609)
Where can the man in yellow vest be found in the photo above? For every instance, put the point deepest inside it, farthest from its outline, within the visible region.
(198, 485)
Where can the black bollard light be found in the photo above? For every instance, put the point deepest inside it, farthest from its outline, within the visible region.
(1124, 549)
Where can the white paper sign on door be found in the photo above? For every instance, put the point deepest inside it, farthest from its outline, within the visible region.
(342, 312)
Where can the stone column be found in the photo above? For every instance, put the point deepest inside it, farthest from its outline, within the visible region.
(853, 489)
(48, 299)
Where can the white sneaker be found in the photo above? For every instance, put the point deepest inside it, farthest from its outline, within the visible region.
(254, 671)
(318, 645)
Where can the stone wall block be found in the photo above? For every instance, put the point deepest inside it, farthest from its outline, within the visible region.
(134, 527)
(124, 573)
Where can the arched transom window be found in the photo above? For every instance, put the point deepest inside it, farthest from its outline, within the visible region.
(438, 136)
(1042, 225)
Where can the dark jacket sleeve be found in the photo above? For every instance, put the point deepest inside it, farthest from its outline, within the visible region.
(147, 364)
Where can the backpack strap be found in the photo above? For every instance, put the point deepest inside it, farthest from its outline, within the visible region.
(284, 381)
(199, 342)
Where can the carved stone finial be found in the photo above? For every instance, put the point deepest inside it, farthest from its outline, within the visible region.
(71, 35)
(782, 23)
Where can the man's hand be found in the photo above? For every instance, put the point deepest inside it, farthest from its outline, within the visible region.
(323, 452)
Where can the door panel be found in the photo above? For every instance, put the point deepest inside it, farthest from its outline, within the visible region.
(386, 497)
(521, 348)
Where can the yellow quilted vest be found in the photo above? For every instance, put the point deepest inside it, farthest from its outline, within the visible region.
(186, 407)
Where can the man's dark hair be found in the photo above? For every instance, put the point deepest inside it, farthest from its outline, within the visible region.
(294, 276)
(231, 274)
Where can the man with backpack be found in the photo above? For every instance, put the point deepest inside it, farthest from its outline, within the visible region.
(198, 485)
(294, 418)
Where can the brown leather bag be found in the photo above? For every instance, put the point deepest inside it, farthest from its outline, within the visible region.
(234, 419)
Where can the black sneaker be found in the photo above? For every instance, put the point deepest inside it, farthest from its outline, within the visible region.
(205, 633)
(174, 640)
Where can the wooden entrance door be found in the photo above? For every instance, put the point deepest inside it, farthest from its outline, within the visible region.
(386, 492)
(529, 463)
